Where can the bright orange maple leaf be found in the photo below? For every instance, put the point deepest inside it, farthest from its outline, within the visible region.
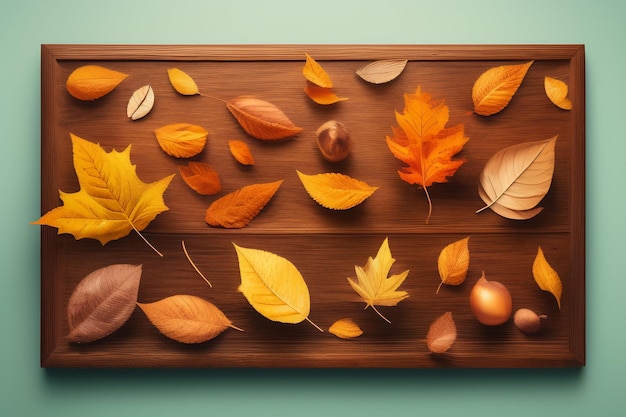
(424, 143)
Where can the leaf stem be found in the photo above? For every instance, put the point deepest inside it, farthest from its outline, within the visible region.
(194, 265)
(213, 97)
(315, 325)
(379, 313)
(146, 240)
(430, 205)
(232, 326)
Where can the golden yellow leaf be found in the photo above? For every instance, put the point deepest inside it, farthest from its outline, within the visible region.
(314, 72)
(261, 119)
(557, 90)
(182, 82)
(441, 334)
(181, 140)
(201, 178)
(140, 103)
(235, 210)
(495, 88)
(345, 329)
(90, 82)
(187, 318)
(322, 95)
(112, 200)
(336, 191)
(373, 284)
(273, 286)
(383, 71)
(546, 277)
(241, 152)
(453, 263)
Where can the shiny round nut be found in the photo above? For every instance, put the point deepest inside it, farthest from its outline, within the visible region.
(334, 141)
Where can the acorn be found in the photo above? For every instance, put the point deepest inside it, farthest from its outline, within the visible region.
(528, 321)
(334, 141)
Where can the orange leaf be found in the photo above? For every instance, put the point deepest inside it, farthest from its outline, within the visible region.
(90, 82)
(322, 95)
(424, 144)
(261, 119)
(314, 72)
(557, 90)
(495, 88)
(441, 334)
(182, 82)
(201, 178)
(237, 209)
(181, 140)
(241, 152)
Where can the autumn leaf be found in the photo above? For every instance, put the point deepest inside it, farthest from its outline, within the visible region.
(373, 284)
(557, 90)
(187, 318)
(383, 71)
(336, 191)
(112, 200)
(90, 82)
(181, 140)
(546, 277)
(495, 88)
(273, 286)
(441, 334)
(102, 302)
(345, 329)
(182, 82)
(237, 209)
(424, 143)
(241, 152)
(261, 119)
(321, 95)
(516, 179)
(201, 178)
(140, 103)
(314, 73)
(453, 263)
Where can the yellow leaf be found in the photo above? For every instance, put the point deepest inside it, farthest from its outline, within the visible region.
(345, 329)
(322, 95)
(336, 191)
(273, 286)
(241, 152)
(373, 284)
(201, 178)
(187, 318)
(453, 263)
(90, 82)
(546, 277)
(495, 88)
(140, 103)
(441, 334)
(181, 140)
(314, 72)
(557, 90)
(182, 82)
(383, 71)
(261, 119)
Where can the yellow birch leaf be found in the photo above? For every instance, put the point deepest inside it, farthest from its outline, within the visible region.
(345, 329)
(91, 82)
(182, 82)
(241, 152)
(453, 263)
(495, 88)
(273, 286)
(441, 334)
(557, 90)
(336, 191)
(314, 72)
(181, 140)
(323, 95)
(546, 277)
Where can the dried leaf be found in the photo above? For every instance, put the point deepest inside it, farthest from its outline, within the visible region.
(237, 209)
(181, 140)
(261, 119)
(102, 302)
(201, 178)
(112, 200)
(557, 90)
(187, 318)
(495, 88)
(140, 103)
(441, 334)
(241, 152)
(314, 72)
(373, 285)
(345, 329)
(321, 95)
(336, 191)
(182, 82)
(91, 82)
(273, 286)
(453, 263)
(425, 144)
(383, 71)
(546, 277)
(517, 178)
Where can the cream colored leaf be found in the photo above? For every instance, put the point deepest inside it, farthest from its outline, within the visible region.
(557, 90)
(517, 178)
(441, 334)
(453, 263)
(495, 88)
(140, 103)
(345, 329)
(182, 82)
(546, 277)
(336, 191)
(383, 71)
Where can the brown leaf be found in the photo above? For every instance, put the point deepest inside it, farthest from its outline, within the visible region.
(383, 71)
(102, 302)
(201, 178)
(241, 152)
(495, 88)
(91, 82)
(314, 72)
(140, 103)
(321, 95)
(261, 119)
(441, 334)
(345, 329)
(237, 209)
(181, 140)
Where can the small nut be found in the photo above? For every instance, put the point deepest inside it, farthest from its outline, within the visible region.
(527, 320)
(333, 140)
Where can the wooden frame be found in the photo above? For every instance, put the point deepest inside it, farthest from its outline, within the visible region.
(325, 245)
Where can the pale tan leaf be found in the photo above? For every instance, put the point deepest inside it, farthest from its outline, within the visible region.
(181, 140)
(182, 82)
(140, 103)
(495, 88)
(345, 329)
(453, 263)
(557, 90)
(546, 277)
(336, 191)
(383, 71)
(262, 119)
(441, 334)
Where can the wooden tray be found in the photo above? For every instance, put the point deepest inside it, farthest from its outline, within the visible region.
(324, 245)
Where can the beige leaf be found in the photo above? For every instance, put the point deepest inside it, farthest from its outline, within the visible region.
(140, 103)
(336, 191)
(546, 277)
(441, 334)
(453, 263)
(383, 71)
(345, 329)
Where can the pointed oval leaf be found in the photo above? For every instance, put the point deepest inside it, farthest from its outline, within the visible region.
(140, 103)
(102, 302)
(336, 191)
(182, 82)
(441, 334)
(453, 263)
(241, 152)
(186, 318)
(262, 119)
(557, 90)
(90, 82)
(314, 72)
(345, 329)
(323, 96)
(546, 277)
(495, 88)
(181, 140)
(383, 71)
(201, 178)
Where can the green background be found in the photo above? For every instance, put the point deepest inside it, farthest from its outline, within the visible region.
(28, 390)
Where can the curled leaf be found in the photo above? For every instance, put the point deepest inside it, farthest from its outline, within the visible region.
(237, 209)
(383, 71)
(314, 72)
(102, 302)
(516, 179)
(441, 334)
(90, 82)
(240, 151)
(453, 263)
(201, 178)
(321, 95)
(182, 82)
(345, 329)
(187, 318)
(181, 140)
(336, 191)
(140, 102)
(261, 119)
(546, 277)
(495, 88)
(557, 90)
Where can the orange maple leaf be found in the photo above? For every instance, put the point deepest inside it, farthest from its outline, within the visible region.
(424, 143)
